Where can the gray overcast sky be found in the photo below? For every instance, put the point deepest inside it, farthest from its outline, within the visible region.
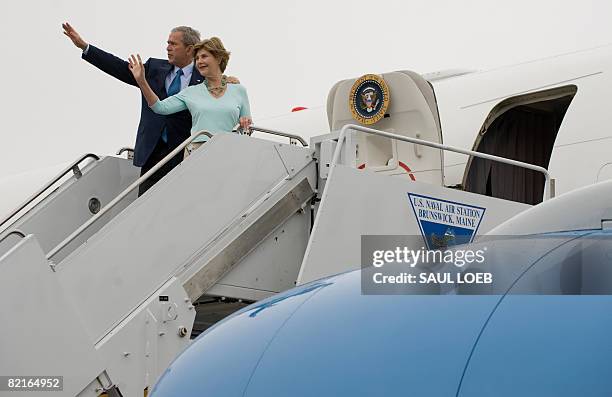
(287, 53)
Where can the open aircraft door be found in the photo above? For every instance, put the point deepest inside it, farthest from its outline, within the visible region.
(400, 102)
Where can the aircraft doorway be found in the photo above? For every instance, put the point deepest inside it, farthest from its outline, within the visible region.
(521, 128)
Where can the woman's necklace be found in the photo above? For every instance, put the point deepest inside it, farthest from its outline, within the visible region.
(216, 91)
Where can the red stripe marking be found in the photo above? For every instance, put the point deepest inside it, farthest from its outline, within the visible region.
(404, 166)
(408, 170)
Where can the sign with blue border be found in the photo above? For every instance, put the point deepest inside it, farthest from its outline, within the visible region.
(445, 223)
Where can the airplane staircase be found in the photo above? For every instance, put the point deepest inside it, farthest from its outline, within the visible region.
(112, 303)
(114, 292)
(72, 197)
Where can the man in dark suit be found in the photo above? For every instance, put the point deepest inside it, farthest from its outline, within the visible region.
(157, 135)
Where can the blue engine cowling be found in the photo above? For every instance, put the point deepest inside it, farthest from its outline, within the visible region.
(543, 331)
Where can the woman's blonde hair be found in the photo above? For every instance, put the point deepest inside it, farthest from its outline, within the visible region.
(216, 48)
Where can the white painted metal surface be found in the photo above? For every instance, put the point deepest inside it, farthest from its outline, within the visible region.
(584, 139)
(117, 310)
(67, 207)
(122, 292)
(358, 202)
(42, 332)
(411, 113)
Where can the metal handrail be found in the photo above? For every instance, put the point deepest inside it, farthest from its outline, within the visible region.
(17, 232)
(125, 149)
(279, 133)
(342, 137)
(74, 167)
(124, 193)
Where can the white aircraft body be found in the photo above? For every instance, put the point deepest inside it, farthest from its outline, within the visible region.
(114, 283)
(575, 83)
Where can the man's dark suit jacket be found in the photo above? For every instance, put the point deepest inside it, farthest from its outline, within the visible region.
(151, 125)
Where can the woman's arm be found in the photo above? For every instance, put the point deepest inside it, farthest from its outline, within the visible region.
(169, 105)
(172, 104)
(245, 110)
(138, 70)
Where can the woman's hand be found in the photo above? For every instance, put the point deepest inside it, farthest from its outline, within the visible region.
(245, 122)
(136, 67)
(138, 70)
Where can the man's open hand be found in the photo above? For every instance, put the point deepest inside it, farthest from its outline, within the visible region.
(74, 36)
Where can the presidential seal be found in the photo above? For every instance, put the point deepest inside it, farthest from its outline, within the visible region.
(369, 99)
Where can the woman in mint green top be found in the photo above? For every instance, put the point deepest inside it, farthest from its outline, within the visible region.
(207, 112)
(214, 105)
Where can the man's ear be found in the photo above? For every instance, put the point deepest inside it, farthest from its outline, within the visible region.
(190, 50)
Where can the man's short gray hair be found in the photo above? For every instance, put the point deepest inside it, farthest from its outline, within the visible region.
(190, 35)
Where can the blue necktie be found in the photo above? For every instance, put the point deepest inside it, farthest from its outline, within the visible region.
(175, 88)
